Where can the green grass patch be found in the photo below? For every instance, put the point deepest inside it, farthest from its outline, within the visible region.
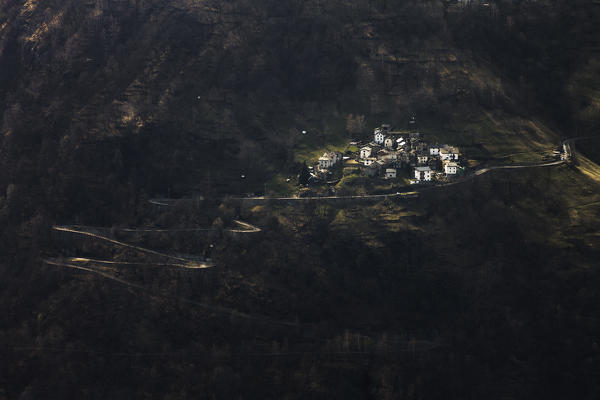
(351, 171)
(351, 180)
(279, 186)
(314, 143)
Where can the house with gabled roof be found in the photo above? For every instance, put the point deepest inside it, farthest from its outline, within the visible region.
(379, 136)
(368, 161)
(450, 168)
(329, 159)
(422, 174)
(389, 142)
(449, 153)
(365, 152)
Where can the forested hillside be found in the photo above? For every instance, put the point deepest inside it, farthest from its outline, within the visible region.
(486, 290)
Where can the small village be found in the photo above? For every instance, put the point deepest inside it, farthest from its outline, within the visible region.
(391, 155)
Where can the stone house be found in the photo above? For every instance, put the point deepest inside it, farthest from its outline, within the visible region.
(372, 170)
(389, 142)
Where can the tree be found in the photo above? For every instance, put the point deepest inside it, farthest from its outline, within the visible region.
(304, 175)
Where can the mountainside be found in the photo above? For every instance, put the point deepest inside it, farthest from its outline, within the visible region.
(141, 90)
(483, 289)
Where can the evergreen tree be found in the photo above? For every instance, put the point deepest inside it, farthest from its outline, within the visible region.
(304, 175)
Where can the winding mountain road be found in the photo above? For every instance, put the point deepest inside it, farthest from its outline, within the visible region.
(249, 228)
(86, 264)
(86, 261)
(185, 262)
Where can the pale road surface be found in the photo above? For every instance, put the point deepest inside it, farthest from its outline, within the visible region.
(83, 260)
(249, 228)
(413, 345)
(186, 263)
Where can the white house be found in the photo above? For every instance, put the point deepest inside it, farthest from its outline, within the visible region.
(379, 136)
(422, 158)
(390, 173)
(389, 142)
(365, 152)
(434, 151)
(450, 168)
(325, 161)
(369, 161)
(449, 153)
(423, 173)
(329, 159)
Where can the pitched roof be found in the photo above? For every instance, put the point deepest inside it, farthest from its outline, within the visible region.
(449, 149)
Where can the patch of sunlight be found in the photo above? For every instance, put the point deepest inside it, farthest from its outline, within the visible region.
(399, 216)
(96, 12)
(588, 167)
(45, 27)
(79, 259)
(129, 113)
(374, 243)
(472, 163)
(29, 6)
(127, 118)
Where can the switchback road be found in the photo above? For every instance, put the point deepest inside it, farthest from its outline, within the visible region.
(78, 230)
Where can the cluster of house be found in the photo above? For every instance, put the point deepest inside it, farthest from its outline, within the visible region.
(391, 150)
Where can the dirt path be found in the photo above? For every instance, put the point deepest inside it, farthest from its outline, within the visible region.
(249, 229)
(82, 260)
(78, 230)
